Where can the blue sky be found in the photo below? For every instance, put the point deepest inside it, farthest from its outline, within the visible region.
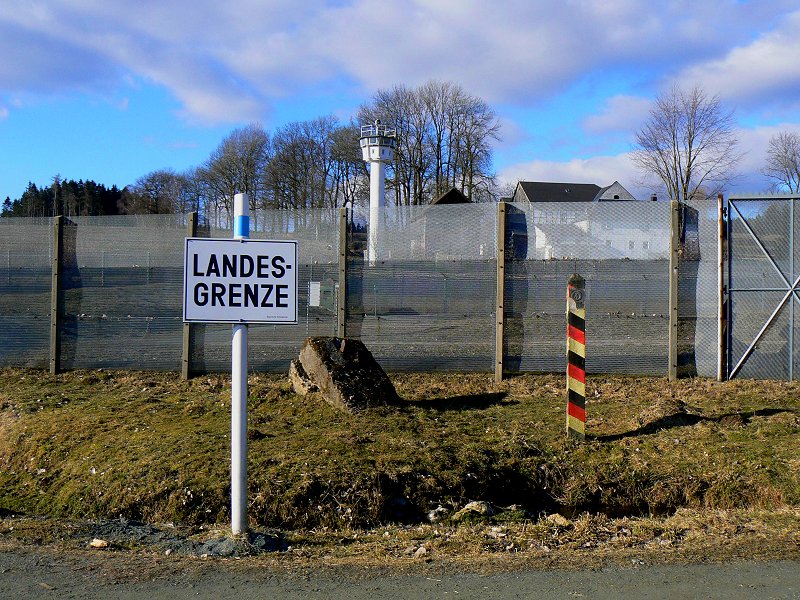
(111, 90)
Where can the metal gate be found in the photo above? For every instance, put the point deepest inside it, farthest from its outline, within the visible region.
(763, 294)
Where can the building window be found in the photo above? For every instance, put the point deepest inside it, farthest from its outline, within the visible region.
(645, 245)
(631, 245)
(609, 243)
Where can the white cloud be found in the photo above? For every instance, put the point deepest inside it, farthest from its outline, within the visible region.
(620, 113)
(755, 141)
(229, 61)
(3, 113)
(764, 70)
(511, 133)
(43, 64)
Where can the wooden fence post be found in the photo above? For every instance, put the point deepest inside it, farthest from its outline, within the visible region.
(56, 270)
(341, 297)
(186, 356)
(674, 246)
(501, 290)
(576, 357)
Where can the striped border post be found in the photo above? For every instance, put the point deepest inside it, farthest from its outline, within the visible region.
(576, 357)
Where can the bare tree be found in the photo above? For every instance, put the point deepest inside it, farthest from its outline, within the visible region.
(316, 164)
(287, 175)
(474, 130)
(444, 140)
(783, 161)
(688, 143)
(319, 134)
(158, 192)
(438, 100)
(237, 165)
(408, 176)
(350, 179)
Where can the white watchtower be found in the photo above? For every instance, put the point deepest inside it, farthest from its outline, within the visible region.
(377, 148)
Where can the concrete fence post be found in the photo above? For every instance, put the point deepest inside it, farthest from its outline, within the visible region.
(341, 295)
(674, 247)
(56, 304)
(722, 298)
(501, 290)
(186, 356)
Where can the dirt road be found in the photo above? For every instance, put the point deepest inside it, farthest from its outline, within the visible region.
(27, 574)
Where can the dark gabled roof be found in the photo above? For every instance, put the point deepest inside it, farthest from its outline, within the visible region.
(452, 196)
(615, 191)
(541, 191)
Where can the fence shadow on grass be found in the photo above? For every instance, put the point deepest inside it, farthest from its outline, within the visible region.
(687, 420)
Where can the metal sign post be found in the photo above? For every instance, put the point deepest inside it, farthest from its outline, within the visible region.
(240, 281)
(241, 231)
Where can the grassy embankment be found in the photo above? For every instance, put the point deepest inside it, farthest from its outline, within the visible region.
(145, 446)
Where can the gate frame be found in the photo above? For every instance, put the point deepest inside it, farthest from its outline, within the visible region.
(790, 290)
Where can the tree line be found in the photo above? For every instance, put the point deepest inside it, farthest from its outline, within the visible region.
(444, 138)
(67, 197)
(687, 146)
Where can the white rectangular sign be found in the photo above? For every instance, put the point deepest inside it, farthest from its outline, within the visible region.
(240, 281)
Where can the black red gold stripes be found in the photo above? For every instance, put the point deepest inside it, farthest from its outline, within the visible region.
(576, 357)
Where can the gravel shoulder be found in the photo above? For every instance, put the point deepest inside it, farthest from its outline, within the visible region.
(727, 555)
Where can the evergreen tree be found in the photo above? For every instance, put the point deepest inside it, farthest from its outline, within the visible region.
(65, 197)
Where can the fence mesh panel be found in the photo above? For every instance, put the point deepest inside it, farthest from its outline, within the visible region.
(698, 289)
(25, 273)
(123, 281)
(622, 250)
(428, 301)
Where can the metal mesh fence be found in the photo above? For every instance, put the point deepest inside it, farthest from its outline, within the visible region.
(25, 257)
(428, 301)
(272, 347)
(122, 282)
(622, 250)
(764, 263)
(698, 289)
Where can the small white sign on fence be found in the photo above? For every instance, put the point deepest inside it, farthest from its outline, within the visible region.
(240, 281)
